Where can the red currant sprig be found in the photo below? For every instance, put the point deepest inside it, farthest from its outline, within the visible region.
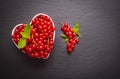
(71, 35)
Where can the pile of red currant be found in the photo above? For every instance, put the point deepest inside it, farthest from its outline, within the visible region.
(40, 43)
(71, 35)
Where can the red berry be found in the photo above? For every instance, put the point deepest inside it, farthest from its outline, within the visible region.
(45, 30)
(48, 49)
(76, 40)
(65, 24)
(46, 55)
(70, 33)
(28, 50)
(41, 53)
(16, 31)
(41, 56)
(36, 35)
(32, 55)
(44, 41)
(41, 48)
(48, 23)
(33, 31)
(50, 36)
(72, 46)
(36, 40)
(74, 34)
(33, 46)
(73, 42)
(45, 47)
(53, 28)
(64, 29)
(40, 28)
(48, 19)
(70, 40)
(51, 42)
(68, 45)
(69, 50)
(39, 43)
(36, 54)
(29, 40)
(46, 34)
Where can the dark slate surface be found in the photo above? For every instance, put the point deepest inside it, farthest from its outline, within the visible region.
(96, 57)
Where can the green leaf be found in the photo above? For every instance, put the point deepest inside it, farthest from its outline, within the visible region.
(25, 35)
(22, 42)
(65, 37)
(27, 28)
(76, 29)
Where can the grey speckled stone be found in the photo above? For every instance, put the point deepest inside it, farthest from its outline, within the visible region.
(95, 57)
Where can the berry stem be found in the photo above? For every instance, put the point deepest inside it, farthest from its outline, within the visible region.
(60, 22)
(33, 39)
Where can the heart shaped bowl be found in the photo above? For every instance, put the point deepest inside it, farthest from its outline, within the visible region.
(37, 15)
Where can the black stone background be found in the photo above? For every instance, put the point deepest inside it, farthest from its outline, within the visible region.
(97, 56)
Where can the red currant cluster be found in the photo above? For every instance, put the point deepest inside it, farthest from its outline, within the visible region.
(40, 43)
(71, 35)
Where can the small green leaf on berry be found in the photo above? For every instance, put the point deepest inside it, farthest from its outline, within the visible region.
(76, 29)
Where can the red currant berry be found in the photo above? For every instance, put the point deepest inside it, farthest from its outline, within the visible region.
(39, 42)
(28, 50)
(65, 24)
(33, 31)
(32, 55)
(69, 50)
(36, 54)
(76, 40)
(40, 48)
(29, 40)
(46, 55)
(36, 35)
(73, 42)
(72, 46)
(68, 45)
(33, 46)
(74, 34)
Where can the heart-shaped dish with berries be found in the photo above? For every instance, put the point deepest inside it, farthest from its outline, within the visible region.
(37, 38)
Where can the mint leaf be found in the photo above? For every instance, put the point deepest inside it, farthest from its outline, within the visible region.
(27, 29)
(22, 42)
(76, 29)
(25, 35)
(65, 37)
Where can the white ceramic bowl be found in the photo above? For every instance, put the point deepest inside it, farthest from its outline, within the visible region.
(30, 23)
